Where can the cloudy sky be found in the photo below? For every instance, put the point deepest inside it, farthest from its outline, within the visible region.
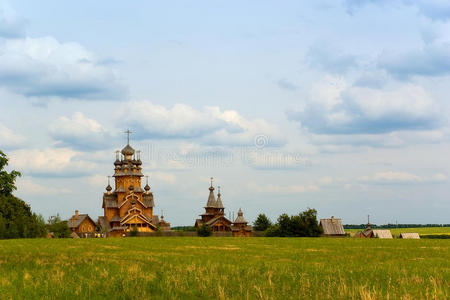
(340, 106)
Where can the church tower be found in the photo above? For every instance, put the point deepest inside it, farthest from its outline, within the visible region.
(128, 207)
(214, 215)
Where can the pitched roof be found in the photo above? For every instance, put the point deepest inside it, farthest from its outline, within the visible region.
(211, 198)
(409, 235)
(382, 233)
(332, 226)
(74, 222)
(219, 201)
(217, 219)
(240, 218)
(365, 233)
(111, 203)
(116, 218)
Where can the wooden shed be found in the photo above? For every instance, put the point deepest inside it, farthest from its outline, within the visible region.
(410, 235)
(332, 227)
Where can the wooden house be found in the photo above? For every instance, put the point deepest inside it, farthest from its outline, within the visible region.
(82, 225)
(332, 227)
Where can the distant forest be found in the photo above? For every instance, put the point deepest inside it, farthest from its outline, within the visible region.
(362, 226)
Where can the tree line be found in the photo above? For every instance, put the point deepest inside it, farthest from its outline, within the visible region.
(16, 218)
(304, 224)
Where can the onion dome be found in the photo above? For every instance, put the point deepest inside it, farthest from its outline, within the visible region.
(147, 187)
(128, 151)
(109, 188)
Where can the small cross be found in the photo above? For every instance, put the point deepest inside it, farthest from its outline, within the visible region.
(128, 132)
(212, 181)
(109, 177)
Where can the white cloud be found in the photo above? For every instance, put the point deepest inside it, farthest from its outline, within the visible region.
(162, 178)
(282, 189)
(62, 162)
(40, 67)
(79, 132)
(335, 111)
(27, 186)
(210, 125)
(9, 139)
(396, 177)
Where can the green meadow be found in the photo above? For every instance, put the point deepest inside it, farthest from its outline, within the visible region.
(224, 268)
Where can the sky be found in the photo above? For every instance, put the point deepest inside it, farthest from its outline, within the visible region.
(341, 106)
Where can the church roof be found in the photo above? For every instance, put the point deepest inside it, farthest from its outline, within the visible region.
(240, 218)
(211, 199)
(217, 219)
(219, 200)
(116, 218)
(111, 203)
(128, 150)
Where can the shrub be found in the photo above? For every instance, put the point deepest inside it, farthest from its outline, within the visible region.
(134, 231)
(59, 227)
(204, 230)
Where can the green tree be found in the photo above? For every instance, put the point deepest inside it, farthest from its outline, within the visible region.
(261, 223)
(204, 230)
(59, 227)
(304, 224)
(7, 180)
(16, 218)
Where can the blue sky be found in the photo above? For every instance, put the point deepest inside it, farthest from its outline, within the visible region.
(337, 105)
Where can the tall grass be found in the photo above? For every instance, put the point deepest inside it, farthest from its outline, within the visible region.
(225, 268)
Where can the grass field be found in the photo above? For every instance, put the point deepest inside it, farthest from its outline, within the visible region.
(224, 268)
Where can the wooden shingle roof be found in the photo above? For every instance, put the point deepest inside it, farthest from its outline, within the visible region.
(74, 222)
(382, 233)
(409, 235)
(332, 226)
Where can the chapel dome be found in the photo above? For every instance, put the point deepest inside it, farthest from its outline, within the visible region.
(128, 150)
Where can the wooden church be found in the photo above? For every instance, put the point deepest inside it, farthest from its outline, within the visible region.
(214, 215)
(128, 207)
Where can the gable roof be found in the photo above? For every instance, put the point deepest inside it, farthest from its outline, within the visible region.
(409, 235)
(367, 233)
(216, 220)
(382, 233)
(332, 226)
(75, 222)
